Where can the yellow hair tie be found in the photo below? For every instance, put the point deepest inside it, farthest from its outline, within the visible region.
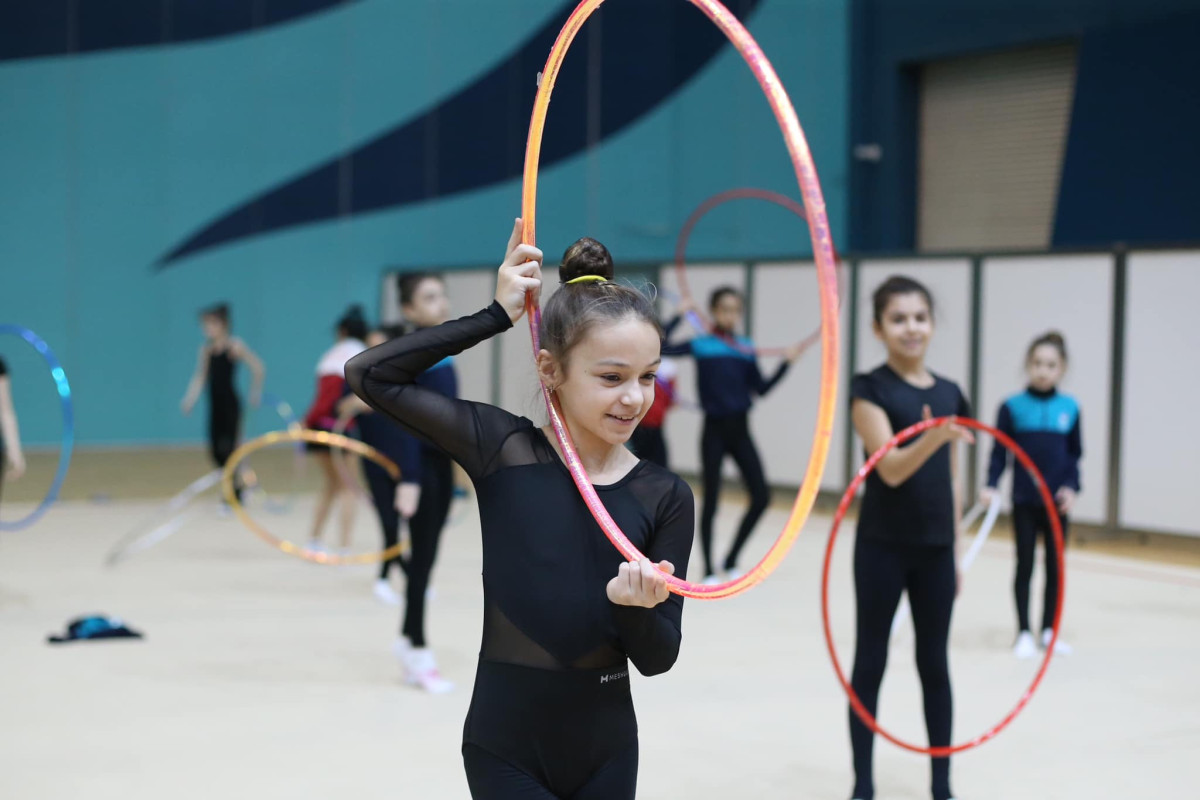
(588, 279)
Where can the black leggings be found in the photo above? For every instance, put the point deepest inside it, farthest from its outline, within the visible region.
(730, 435)
(224, 421)
(224, 424)
(650, 444)
(425, 530)
(537, 734)
(1028, 522)
(882, 572)
(383, 497)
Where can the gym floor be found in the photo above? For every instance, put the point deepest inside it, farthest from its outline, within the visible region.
(262, 676)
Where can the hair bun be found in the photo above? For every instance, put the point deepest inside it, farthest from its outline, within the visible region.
(355, 312)
(586, 257)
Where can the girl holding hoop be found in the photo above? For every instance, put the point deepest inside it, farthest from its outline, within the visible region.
(906, 526)
(551, 714)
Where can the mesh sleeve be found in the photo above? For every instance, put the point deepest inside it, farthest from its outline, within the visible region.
(385, 378)
(651, 636)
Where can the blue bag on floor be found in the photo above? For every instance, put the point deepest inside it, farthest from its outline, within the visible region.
(94, 627)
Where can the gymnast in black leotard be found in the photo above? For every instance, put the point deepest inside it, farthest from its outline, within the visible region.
(215, 367)
(551, 715)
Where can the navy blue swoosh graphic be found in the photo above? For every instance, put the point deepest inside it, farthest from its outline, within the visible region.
(32, 28)
(645, 50)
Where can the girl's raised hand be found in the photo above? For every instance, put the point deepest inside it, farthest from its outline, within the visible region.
(520, 274)
(639, 584)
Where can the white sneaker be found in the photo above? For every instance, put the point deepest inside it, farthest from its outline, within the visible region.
(385, 593)
(401, 647)
(1025, 646)
(1061, 648)
(711, 580)
(733, 574)
(315, 546)
(420, 669)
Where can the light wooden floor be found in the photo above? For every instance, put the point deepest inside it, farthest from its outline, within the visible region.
(265, 677)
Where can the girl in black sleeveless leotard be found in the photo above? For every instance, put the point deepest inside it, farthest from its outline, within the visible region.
(215, 367)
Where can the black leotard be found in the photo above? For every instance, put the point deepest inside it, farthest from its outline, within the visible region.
(552, 689)
(224, 407)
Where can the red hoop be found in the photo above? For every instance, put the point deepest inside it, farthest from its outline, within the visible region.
(1055, 526)
(685, 233)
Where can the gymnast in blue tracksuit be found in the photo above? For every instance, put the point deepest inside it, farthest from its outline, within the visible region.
(1045, 423)
(727, 380)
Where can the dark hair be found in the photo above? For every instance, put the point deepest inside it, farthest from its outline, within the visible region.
(897, 285)
(218, 312)
(392, 331)
(575, 308)
(407, 283)
(353, 323)
(1052, 338)
(719, 294)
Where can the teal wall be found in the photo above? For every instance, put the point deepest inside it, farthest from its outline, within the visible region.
(112, 158)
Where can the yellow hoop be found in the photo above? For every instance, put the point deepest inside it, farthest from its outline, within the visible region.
(291, 548)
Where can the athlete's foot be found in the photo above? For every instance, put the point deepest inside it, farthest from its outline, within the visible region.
(315, 546)
(385, 593)
(224, 510)
(420, 670)
(1061, 648)
(711, 580)
(1025, 646)
(733, 573)
(401, 648)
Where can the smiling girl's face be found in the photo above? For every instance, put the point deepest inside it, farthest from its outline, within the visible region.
(606, 384)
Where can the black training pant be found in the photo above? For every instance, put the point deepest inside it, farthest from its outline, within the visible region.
(425, 531)
(882, 573)
(1028, 522)
(730, 435)
(383, 497)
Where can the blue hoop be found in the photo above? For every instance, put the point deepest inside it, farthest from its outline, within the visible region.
(68, 418)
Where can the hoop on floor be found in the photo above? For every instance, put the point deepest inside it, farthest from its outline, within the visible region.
(697, 318)
(818, 224)
(1055, 525)
(68, 425)
(318, 437)
(175, 512)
